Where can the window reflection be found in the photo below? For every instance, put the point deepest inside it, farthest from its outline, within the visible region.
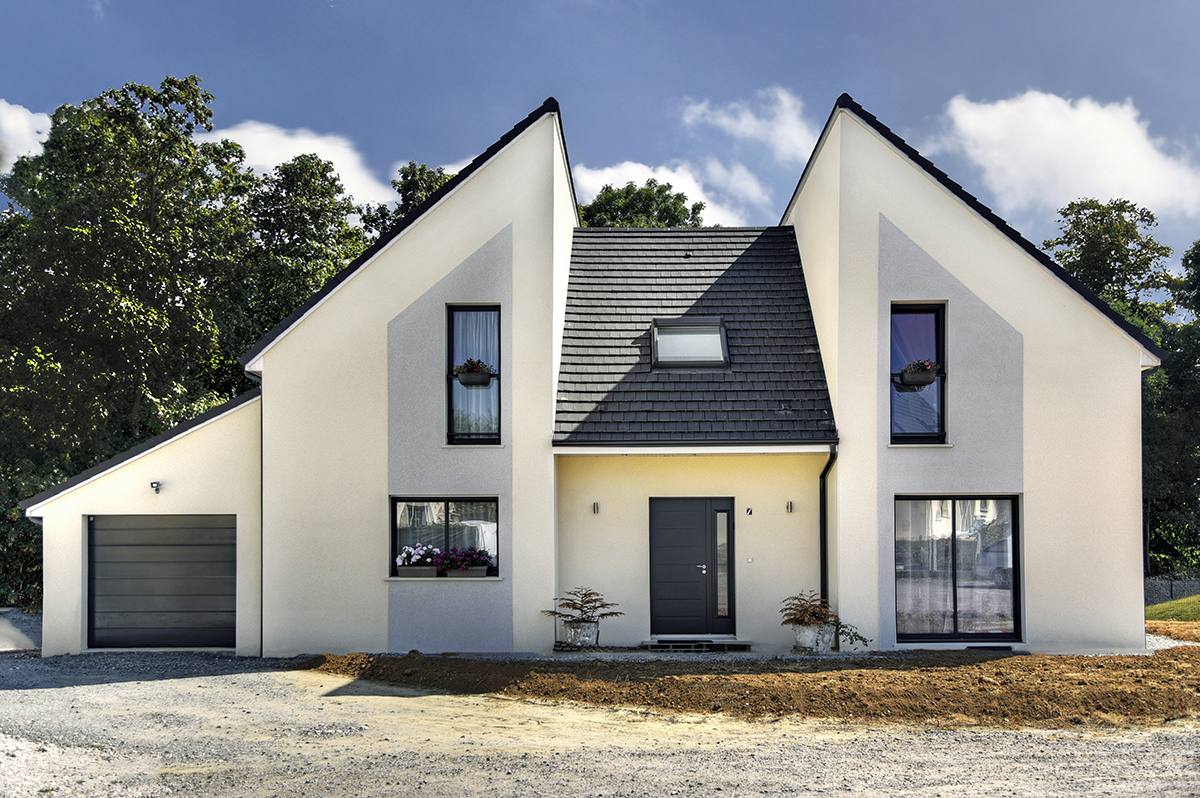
(955, 567)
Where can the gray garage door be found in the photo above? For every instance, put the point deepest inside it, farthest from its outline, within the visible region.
(162, 581)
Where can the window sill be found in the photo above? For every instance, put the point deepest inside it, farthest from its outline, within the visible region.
(445, 579)
(473, 446)
(920, 445)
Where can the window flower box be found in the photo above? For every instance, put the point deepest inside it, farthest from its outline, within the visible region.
(473, 373)
(473, 572)
(417, 571)
(474, 379)
(917, 378)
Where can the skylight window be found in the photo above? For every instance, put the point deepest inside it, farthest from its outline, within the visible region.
(690, 341)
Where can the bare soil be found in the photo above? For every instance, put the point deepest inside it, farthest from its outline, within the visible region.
(1176, 630)
(940, 688)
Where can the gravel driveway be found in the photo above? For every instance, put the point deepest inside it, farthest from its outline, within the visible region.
(153, 724)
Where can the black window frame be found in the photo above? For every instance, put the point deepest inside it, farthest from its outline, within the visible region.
(939, 382)
(467, 438)
(1015, 580)
(394, 536)
(689, 321)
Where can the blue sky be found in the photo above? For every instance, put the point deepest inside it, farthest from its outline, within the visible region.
(1026, 104)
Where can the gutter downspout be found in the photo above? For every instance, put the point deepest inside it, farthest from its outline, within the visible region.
(823, 523)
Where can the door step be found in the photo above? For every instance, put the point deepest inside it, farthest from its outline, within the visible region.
(697, 646)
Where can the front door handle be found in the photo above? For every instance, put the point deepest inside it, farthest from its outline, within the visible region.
(705, 567)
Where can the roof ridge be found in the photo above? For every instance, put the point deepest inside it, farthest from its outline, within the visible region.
(847, 103)
(550, 106)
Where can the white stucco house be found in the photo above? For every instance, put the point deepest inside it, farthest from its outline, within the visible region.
(696, 422)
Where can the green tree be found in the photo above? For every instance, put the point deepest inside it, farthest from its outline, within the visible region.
(415, 184)
(1108, 247)
(1171, 433)
(299, 214)
(112, 238)
(652, 205)
(136, 265)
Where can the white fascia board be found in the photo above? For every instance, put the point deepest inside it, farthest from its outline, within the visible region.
(695, 451)
(255, 366)
(33, 511)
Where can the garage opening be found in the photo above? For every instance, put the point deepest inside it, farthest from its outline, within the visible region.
(162, 581)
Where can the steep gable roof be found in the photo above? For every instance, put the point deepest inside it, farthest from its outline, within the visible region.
(550, 106)
(773, 390)
(847, 103)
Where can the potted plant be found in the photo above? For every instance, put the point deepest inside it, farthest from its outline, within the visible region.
(919, 373)
(473, 373)
(418, 560)
(457, 562)
(815, 625)
(581, 610)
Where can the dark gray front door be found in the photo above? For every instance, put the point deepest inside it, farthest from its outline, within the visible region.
(691, 566)
(162, 581)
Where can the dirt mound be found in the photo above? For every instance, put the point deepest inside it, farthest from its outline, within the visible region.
(952, 688)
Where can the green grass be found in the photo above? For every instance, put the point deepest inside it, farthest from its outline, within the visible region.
(1187, 609)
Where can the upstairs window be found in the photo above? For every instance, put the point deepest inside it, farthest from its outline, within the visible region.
(473, 375)
(689, 341)
(918, 374)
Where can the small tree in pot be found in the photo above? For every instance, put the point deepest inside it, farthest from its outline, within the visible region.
(816, 625)
(581, 610)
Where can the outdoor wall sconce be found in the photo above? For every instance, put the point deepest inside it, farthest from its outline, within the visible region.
(595, 508)
(156, 486)
(789, 507)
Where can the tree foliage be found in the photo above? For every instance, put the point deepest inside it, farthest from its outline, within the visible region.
(415, 183)
(136, 264)
(299, 215)
(652, 205)
(1108, 247)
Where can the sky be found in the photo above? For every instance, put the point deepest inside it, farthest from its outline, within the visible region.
(1028, 105)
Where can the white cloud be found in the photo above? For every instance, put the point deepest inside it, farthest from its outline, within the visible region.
(456, 167)
(21, 133)
(682, 177)
(737, 181)
(1039, 151)
(267, 146)
(776, 118)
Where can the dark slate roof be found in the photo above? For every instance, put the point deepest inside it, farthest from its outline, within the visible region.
(550, 106)
(846, 102)
(144, 446)
(773, 390)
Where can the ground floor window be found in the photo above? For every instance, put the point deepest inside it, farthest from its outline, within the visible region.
(446, 524)
(956, 568)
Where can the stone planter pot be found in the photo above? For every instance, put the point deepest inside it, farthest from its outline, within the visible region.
(476, 572)
(814, 639)
(474, 379)
(582, 633)
(416, 571)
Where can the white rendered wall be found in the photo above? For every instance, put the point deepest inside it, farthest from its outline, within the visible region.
(328, 415)
(610, 550)
(210, 470)
(1069, 446)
